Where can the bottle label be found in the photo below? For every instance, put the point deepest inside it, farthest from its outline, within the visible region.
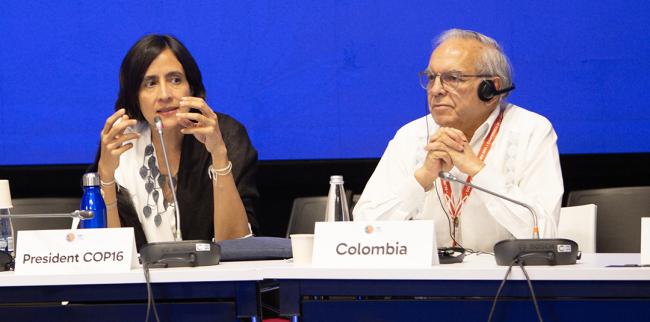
(10, 244)
(337, 208)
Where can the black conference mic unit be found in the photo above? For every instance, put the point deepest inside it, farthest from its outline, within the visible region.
(533, 251)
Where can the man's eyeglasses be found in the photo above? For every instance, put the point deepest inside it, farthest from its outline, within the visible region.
(448, 80)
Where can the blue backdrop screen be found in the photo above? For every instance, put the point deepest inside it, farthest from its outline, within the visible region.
(326, 79)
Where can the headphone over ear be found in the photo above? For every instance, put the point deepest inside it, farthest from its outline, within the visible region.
(487, 90)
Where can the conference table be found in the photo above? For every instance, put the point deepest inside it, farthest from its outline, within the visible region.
(587, 291)
(225, 292)
(230, 291)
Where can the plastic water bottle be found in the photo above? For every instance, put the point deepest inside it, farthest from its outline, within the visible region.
(92, 200)
(6, 231)
(337, 204)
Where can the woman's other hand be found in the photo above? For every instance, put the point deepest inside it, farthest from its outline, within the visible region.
(113, 137)
(203, 125)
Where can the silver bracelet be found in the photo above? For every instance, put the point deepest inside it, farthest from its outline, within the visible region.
(106, 184)
(213, 173)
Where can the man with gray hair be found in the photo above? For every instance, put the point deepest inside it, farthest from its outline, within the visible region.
(474, 134)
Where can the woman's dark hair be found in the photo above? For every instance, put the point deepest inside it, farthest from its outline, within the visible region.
(137, 61)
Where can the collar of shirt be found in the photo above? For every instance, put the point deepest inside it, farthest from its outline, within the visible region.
(482, 130)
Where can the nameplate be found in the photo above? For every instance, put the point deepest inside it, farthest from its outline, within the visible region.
(376, 244)
(99, 250)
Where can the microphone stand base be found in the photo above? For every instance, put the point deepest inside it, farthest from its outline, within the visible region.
(556, 251)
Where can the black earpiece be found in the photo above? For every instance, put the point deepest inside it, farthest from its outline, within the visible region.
(487, 90)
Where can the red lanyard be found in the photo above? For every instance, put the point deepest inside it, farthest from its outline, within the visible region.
(456, 206)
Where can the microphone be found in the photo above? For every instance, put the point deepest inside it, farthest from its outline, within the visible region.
(450, 177)
(535, 251)
(79, 214)
(159, 128)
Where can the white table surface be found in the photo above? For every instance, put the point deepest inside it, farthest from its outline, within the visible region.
(226, 271)
(474, 267)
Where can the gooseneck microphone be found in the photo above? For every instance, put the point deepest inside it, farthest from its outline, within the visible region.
(80, 214)
(178, 253)
(159, 128)
(535, 251)
(450, 177)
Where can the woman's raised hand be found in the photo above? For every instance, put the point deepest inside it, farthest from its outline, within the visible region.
(112, 143)
(203, 125)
